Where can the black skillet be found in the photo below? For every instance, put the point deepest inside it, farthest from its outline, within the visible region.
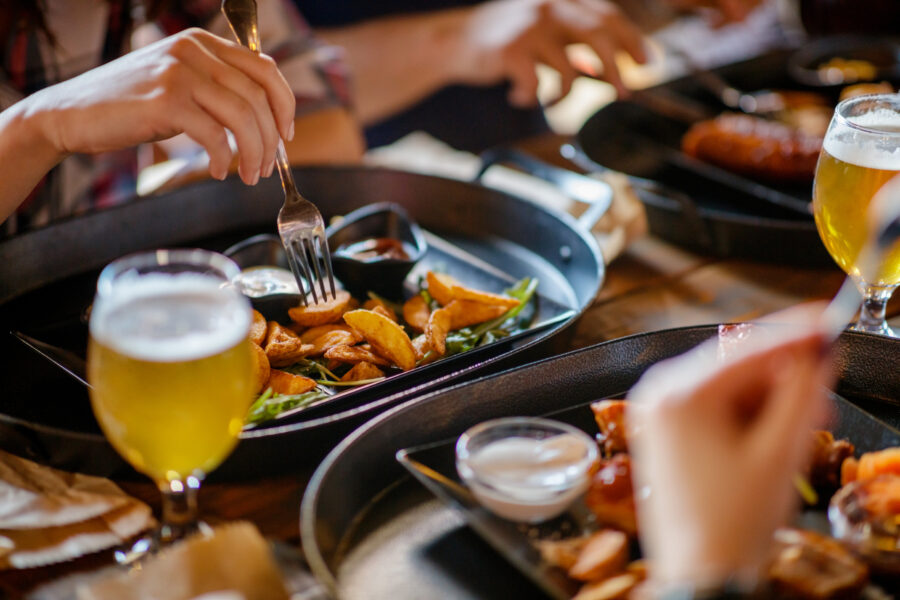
(372, 532)
(47, 280)
(732, 216)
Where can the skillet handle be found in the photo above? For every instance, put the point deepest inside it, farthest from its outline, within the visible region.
(596, 194)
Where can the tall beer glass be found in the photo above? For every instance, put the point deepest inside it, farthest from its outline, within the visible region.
(169, 363)
(860, 154)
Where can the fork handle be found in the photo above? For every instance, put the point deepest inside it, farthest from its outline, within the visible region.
(241, 17)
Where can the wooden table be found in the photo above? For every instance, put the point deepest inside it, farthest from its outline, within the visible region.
(653, 285)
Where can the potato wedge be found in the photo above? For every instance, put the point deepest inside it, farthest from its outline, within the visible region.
(466, 312)
(261, 368)
(614, 588)
(310, 335)
(361, 371)
(258, 328)
(288, 384)
(439, 285)
(604, 554)
(381, 308)
(332, 339)
(355, 354)
(323, 313)
(437, 329)
(283, 346)
(386, 337)
(416, 312)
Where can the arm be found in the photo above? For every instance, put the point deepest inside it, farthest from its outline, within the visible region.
(193, 83)
(399, 60)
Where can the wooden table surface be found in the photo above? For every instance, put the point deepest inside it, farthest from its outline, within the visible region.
(653, 285)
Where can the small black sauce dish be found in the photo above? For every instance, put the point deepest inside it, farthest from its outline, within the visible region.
(265, 276)
(810, 64)
(366, 249)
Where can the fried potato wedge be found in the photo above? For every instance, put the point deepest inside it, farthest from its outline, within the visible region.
(310, 335)
(416, 312)
(331, 339)
(604, 554)
(322, 313)
(283, 346)
(387, 338)
(288, 384)
(439, 286)
(613, 588)
(381, 308)
(445, 289)
(355, 354)
(362, 371)
(261, 368)
(258, 328)
(422, 348)
(467, 312)
(437, 329)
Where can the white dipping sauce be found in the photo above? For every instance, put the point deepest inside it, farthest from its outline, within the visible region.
(256, 282)
(527, 479)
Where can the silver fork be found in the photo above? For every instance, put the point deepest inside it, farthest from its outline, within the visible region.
(300, 223)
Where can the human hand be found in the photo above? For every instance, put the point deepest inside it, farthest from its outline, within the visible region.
(716, 445)
(192, 82)
(722, 11)
(506, 39)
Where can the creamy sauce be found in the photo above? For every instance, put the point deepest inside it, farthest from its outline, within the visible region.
(256, 282)
(373, 249)
(525, 479)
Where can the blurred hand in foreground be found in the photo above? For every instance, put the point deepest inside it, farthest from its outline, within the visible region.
(719, 443)
(506, 39)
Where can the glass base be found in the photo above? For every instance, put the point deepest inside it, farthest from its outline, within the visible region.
(151, 543)
(882, 329)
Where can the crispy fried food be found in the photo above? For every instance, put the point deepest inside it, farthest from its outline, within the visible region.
(439, 285)
(811, 566)
(261, 368)
(610, 417)
(283, 346)
(422, 348)
(416, 312)
(362, 371)
(827, 457)
(604, 554)
(614, 588)
(331, 339)
(864, 89)
(355, 354)
(882, 462)
(322, 313)
(258, 328)
(437, 329)
(562, 553)
(381, 308)
(467, 312)
(285, 383)
(610, 496)
(755, 147)
(849, 470)
(387, 338)
(311, 334)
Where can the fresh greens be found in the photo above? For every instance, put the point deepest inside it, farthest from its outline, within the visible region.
(270, 405)
(512, 321)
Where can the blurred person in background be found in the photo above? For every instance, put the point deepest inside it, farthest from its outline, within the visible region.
(199, 83)
(464, 70)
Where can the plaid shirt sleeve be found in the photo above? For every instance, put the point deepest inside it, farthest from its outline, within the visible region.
(316, 72)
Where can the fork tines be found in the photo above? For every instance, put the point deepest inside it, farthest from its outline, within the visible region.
(305, 252)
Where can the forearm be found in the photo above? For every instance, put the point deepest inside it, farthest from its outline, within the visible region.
(397, 61)
(26, 154)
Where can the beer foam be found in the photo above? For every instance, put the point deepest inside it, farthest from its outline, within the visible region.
(866, 149)
(170, 318)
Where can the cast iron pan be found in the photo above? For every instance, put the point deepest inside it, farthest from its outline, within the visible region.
(371, 532)
(47, 280)
(732, 216)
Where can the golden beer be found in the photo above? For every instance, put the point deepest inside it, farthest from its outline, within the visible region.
(844, 188)
(170, 367)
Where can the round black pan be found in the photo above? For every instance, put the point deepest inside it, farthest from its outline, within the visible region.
(372, 532)
(47, 279)
(724, 215)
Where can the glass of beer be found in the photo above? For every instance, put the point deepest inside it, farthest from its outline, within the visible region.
(169, 364)
(860, 154)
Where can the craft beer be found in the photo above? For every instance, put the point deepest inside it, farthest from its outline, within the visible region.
(170, 368)
(852, 168)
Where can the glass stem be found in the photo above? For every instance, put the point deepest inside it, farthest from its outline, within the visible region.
(872, 311)
(179, 509)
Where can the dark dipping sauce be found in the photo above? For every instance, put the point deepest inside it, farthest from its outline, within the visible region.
(374, 249)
